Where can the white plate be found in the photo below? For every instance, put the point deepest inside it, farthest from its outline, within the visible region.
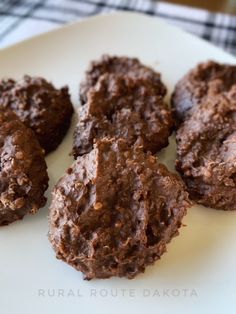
(198, 274)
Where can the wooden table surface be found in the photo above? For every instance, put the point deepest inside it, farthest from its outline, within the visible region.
(224, 6)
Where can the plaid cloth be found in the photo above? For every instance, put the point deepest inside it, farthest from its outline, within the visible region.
(20, 19)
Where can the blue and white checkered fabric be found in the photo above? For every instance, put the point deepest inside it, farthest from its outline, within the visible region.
(20, 19)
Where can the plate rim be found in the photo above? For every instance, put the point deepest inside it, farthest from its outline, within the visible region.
(116, 14)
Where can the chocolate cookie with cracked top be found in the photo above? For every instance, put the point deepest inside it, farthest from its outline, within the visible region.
(40, 106)
(206, 152)
(23, 171)
(206, 79)
(122, 66)
(115, 210)
(123, 107)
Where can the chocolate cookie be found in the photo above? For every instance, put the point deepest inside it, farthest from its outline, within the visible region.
(122, 66)
(206, 152)
(123, 107)
(40, 106)
(115, 210)
(207, 79)
(23, 171)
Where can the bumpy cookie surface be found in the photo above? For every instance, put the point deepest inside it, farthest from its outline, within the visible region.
(115, 210)
(206, 152)
(206, 79)
(40, 106)
(123, 107)
(23, 171)
(122, 66)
